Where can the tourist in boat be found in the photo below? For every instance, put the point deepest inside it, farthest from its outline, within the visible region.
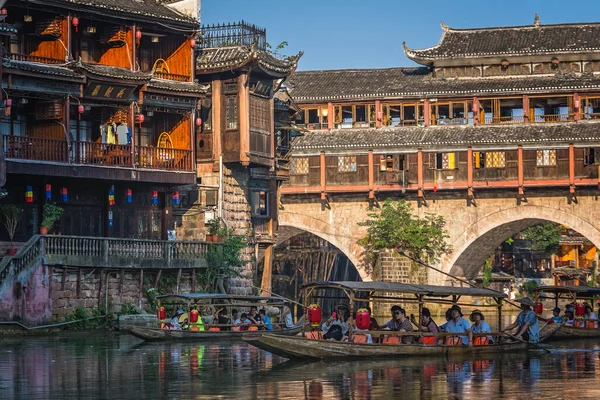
(458, 325)
(480, 326)
(253, 315)
(590, 314)
(400, 323)
(221, 319)
(340, 319)
(569, 315)
(373, 324)
(448, 316)
(427, 323)
(286, 315)
(556, 317)
(175, 325)
(265, 319)
(244, 322)
(185, 325)
(235, 319)
(527, 323)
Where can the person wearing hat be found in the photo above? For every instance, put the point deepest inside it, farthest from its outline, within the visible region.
(527, 323)
(175, 320)
(480, 326)
(569, 315)
(556, 318)
(458, 325)
(590, 314)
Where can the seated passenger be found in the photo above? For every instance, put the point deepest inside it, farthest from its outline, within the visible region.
(373, 325)
(175, 320)
(253, 316)
(221, 319)
(400, 323)
(427, 323)
(286, 315)
(480, 326)
(393, 324)
(556, 318)
(569, 315)
(590, 314)
(185, 325)
(459, 325)
(266, 320)
(448, 316)
(336, 326)
(235, 319)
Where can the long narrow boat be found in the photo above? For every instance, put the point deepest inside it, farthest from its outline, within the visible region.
(572, 295)
(362, 293)
(209, 330)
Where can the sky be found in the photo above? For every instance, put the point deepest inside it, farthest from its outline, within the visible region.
(343, 34)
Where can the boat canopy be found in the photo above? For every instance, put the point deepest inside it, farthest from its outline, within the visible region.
(426, 290)
(584, 292)
(195, 297)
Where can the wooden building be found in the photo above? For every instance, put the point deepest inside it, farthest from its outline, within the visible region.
(99, 113)
(496, 108)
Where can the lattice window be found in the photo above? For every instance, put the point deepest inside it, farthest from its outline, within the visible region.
(260, 115)
(300, 165)
(495, 159)
(546, 158)
(231, 112)
(443, 160)
(347, 164)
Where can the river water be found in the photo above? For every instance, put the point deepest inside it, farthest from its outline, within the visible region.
(118, 366)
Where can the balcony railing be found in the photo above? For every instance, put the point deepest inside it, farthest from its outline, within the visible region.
(35, 59)
(262, 227)
(92, 153)
(504, 120)
(172, 77)
(548, 118)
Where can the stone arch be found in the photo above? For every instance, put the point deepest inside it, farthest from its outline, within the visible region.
(476, 242)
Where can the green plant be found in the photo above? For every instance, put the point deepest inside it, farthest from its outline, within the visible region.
(10, 216)
(224, 259)
(488, 271)
(214, 226)
(51, 213)
(529, 286)
(545, 237)
(395, 227)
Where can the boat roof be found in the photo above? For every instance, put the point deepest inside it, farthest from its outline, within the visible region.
(217, 296)
(427, 290)
(580, 291)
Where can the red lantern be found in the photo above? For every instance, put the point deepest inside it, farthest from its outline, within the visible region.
(4, 11)
(138, 34)
(161, 313)
(80, 109)
(539, 308)
(198, 121)
(363, 319)
(313, 313)
(579, 310)
(140, 118)
(192, 42)
(8, 102)
(75, 22)
(193, 316)
(435, 189)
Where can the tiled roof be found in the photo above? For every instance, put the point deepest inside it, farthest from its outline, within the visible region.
(511, 41)
(229, 58)
(45, 69)
(154, 9)
(417, 82)
(187, 87)
(114, 72)
(437, 137)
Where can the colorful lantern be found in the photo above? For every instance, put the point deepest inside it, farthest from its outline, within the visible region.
(111, 196)
(198, 121)
(192, 42)
(48, 192)
(64, 194)
(176, 198)
(363, 319)
(4, 11)
(314, 314)
(75, 22)
(155, 197)
(29, 194)
(138, 34)
(140, 118)
(128, 195)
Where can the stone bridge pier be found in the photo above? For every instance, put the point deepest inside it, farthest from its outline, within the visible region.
(475, 231)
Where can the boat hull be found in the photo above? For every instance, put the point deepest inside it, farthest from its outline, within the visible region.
(571, 332)
(301, 348)
(160, 335)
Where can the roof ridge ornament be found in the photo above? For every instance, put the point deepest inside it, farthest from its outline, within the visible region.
(536, 20)
(444, 26)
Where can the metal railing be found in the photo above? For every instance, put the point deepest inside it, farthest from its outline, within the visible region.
(233, 34)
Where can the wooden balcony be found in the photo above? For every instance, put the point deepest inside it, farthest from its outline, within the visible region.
(262, 229)
(96, 154)
(34, 59)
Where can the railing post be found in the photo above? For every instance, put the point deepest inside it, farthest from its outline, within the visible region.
(105, 251)
(168, 254)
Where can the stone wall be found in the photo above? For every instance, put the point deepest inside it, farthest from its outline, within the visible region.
(27, 301)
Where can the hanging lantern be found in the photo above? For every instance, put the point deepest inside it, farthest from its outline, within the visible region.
(128, 196)
(48, 192)
(363, 319)
(175, 200)
(140, 118)
(192, 42)
(4, 11)
(314, 314)
(138, 34)
(110, 219)
(154, 197)
(539, 308)
(29, 195)
(75, 22)
(111, 196)
(435, 189)
(64, 194)
(577, 103)
(80, 110)
(8, 102)
(198, 121)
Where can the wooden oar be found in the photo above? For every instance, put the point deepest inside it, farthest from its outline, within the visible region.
(537, 346)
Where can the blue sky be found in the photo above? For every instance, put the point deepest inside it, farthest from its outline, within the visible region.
(338, 34)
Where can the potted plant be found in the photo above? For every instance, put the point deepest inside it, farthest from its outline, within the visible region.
(214, 228)
(10, 216)
(50, 214)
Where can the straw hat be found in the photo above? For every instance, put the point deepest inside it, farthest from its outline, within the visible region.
(472, 317)
(526, 301)
(457, 308)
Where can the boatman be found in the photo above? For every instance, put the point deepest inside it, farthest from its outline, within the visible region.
(526, 322)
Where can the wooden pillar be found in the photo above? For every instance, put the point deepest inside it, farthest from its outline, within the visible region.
(330, 116)
(266, 285)
(520, 168)
(157, 278)
(217, 102)
(475, 110)
(371, 176)
(571, 168)
(244, 118)
(576, 107)
(133, 48)
(323, 176)
(67, 123)
(525, 109)
(272, 131)
(427, 112)
(470, 171)
(69, 40)
(132, 111)
(378, 114)
(420, 172)
(141, 291)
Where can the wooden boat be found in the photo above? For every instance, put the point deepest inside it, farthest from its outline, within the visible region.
(358, 293)
(571, 294)
(210, 330)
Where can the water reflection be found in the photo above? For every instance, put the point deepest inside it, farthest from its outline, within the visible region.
(115, 367)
